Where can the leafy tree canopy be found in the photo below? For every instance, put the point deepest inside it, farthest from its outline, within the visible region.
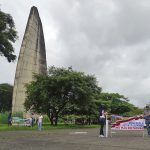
(8, 34)
(117, 104)
(6, 91)
(52, 93)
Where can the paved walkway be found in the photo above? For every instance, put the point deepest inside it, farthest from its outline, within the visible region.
(71, 139)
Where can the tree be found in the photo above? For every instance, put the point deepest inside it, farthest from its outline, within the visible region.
(8, 34)
(6, 91)
(53, 93)
(117, 104)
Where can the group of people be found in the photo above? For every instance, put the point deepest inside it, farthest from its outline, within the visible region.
(103, 113)
(102, 120)
(39, 121)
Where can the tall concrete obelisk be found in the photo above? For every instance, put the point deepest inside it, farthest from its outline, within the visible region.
(32, 59)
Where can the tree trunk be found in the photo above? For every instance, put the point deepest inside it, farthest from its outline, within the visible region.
(56, 120)
(51, 120)
(53, 116)
(50, 116)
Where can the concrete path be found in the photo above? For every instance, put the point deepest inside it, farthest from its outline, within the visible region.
(71, 139)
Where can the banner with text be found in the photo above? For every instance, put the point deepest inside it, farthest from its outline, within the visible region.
(17, 121)
(132, 123)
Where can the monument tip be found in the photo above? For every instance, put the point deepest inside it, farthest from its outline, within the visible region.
(34, 8)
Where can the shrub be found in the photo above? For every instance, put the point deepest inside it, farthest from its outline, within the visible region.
(46, 119)
(18, 114)
(4, 118)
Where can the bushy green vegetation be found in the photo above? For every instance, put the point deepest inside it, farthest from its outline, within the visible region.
(18, 114)
(4, 118)
(8, 35)
(118, 104)
(65, 92)
(68, 97)
(46, 119)
(60, 91)
(6, 91)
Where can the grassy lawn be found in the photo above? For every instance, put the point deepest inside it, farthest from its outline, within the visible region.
(46, 126)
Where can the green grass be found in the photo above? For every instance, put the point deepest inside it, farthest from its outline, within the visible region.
(4, 127)
(4, 116)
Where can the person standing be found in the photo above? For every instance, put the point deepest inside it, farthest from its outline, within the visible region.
(40, 122)
(32, 121)
(147, 118)
(102, 120)
(9, 119)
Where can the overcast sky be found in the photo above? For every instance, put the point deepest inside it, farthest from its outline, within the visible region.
(107, 38)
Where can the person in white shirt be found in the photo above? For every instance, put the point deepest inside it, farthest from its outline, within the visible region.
(40, 122)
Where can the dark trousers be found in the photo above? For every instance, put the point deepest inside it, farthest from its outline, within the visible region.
(102, 123)
(101, 130)
(148, 126)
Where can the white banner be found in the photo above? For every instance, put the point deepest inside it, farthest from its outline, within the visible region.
(17, 121)
(132, 123)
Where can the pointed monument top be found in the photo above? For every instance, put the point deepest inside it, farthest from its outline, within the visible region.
(33, 8)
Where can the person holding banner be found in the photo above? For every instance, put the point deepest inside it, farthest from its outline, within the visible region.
(147, 118)
(102, 120)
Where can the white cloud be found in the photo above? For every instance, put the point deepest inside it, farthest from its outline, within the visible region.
(107, 38)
